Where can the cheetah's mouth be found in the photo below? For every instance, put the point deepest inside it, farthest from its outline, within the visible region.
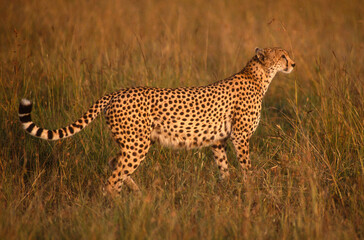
(287, 70)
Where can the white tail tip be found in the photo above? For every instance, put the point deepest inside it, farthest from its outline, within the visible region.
(25, 102)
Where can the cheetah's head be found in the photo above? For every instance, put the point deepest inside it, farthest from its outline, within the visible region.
(275, 59)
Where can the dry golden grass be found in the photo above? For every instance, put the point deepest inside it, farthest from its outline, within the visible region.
(307, 154)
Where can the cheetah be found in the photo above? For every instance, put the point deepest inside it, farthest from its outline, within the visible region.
(186, 117)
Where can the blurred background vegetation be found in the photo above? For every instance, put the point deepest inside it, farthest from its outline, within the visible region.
(307, 153)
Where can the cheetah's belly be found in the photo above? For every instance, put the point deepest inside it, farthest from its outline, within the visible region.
(184, 135)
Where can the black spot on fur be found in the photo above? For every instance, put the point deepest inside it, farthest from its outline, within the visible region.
(39, 132)
(60, 133)
(25, 119)
(71, 130)
(77, 125)
(65, 131)
(30, 128)
(50, 134)
(25, 108)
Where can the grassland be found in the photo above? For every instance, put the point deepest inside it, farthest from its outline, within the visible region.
(307, 154)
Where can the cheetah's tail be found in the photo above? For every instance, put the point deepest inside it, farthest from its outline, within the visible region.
(25, 108)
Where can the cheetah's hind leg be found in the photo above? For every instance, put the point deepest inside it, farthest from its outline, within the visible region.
(113, 163)
(125, 164)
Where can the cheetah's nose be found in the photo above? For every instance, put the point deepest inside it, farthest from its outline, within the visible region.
(293, 64)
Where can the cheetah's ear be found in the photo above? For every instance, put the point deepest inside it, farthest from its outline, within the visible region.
(260, 54)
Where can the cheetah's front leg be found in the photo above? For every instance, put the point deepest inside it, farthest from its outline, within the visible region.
(241, 145)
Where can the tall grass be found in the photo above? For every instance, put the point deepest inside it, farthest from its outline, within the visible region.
(307, 154)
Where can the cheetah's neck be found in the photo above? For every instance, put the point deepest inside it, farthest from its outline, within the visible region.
(260, 74)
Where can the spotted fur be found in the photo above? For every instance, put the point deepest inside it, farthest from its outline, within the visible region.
(180, 118)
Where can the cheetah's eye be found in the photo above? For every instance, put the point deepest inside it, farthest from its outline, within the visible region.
(284, 56)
